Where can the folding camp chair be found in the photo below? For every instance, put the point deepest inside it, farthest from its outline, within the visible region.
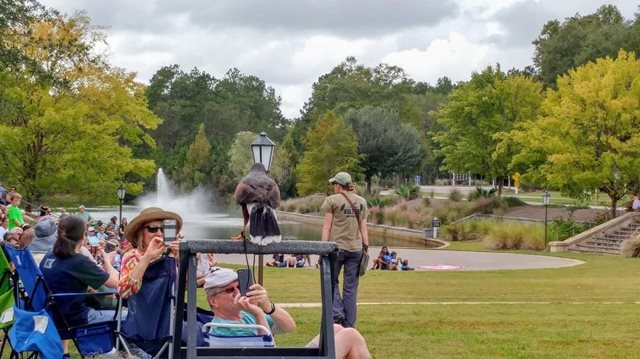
(149, 320)
(90, 338)
(7, 301)
(253, 341)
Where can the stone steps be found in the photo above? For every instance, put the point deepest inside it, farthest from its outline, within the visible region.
(610, 241)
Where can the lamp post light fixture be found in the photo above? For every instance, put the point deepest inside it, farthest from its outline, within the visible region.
(262, 149)
(546, 197)
(121, 193)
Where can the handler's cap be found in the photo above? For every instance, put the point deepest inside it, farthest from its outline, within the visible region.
(342, 178)
(219, 277)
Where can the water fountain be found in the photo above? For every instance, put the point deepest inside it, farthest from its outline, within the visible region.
(197, 208)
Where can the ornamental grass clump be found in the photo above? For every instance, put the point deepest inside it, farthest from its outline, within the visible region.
(514, 236)
(631, 247)
(308, 204)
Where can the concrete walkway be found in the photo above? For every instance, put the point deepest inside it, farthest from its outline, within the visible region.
(449, 260)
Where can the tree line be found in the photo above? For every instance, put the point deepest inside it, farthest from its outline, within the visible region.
(73, 126)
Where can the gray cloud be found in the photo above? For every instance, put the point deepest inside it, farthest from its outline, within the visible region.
(344, 17)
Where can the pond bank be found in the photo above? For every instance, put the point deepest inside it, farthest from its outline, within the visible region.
(412, 235)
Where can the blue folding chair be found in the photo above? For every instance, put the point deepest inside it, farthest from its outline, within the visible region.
(150, 312)
(89, 339)
(238, 341)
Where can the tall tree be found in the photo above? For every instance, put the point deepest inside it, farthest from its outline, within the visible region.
(579, 39)
(351, 85)
(70, 137)
(387, 146)
(331, 147)
(476, 117)
(587, 138)
(197, 168)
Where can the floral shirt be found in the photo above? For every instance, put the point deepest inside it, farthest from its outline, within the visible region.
(126, 285)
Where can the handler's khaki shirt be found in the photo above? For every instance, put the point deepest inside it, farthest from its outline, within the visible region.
(344, 230)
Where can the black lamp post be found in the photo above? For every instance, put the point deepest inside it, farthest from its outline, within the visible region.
(121, 193)
(546, 197)
(262, 149)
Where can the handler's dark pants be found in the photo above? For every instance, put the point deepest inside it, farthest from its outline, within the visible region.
(345, 305)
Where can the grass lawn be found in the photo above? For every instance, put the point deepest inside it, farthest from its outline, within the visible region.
(587, 311)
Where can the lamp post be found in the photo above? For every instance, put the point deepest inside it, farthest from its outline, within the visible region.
(262, 149)
(545, 201)
(121, 193)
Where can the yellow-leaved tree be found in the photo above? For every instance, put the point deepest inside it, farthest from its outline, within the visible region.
(68, 131)
(587, 138)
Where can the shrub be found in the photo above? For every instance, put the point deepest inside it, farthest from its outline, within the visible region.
(408, 192)
(381, 202)
(461, 231)
(562, 229)
(631, 247)
(482, 193)
(376, 215)
(455, 195)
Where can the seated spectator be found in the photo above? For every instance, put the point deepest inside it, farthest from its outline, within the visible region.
(26, 238)
(635, 205)
(278, 261)
(228, 306)
(295, 261)
(46, 234)
(146, 236)
(4, 222)
(92, 238)
(205, 261)
(395, 261)
(12, 237)
(383, 260)
(405, 265)
(67, 271)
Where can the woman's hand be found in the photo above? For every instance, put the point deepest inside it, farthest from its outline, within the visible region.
(107, 257)
(155, 248)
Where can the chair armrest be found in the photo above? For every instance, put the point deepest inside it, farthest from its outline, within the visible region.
(85, 294)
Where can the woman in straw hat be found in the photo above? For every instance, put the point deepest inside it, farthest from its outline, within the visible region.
(146, 235)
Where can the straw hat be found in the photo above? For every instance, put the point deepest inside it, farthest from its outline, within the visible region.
(147, 215)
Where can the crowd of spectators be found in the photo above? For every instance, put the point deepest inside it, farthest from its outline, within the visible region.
(77, 252)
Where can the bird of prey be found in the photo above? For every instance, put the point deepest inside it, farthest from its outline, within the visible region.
(259, 196)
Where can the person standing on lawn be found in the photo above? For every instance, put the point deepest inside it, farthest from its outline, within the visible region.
(348, 228)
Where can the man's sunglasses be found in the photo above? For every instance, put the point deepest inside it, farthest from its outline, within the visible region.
(228, 290)
(154, 229)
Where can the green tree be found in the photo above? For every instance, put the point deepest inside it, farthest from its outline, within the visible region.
(476, 117)
(579, 39)
(331, 147)
(387, 146)
(351, 85)
(199, 162)
(71, 142)
(587, 138)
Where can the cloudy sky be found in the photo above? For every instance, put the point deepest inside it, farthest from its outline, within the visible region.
(290, 43)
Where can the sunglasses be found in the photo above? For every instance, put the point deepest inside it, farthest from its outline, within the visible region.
(228, 290)
(154, 229)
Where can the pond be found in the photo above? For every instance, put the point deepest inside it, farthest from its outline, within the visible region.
(211, 225)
